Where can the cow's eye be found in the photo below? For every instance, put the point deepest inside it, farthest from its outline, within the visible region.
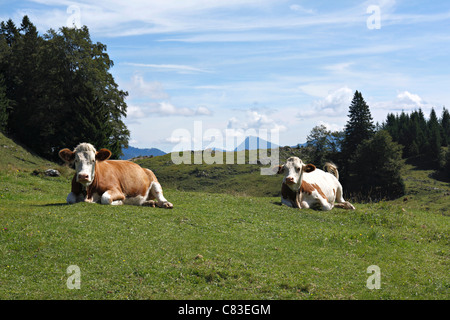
(298, 169)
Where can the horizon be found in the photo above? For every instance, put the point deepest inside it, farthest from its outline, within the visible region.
(259, 65)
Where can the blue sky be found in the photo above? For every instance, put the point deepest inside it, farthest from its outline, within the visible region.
(260, 64)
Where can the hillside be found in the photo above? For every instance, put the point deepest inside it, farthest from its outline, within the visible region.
(15, 158)
(241, 179)
(216, 245)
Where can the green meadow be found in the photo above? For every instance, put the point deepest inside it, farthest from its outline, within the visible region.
(227, 237)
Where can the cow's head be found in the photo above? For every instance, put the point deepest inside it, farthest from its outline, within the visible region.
(293, 170)
(84, 156)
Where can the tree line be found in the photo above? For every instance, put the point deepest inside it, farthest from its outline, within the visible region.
(56, 90)
(370, 156)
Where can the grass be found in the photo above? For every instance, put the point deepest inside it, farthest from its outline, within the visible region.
(237, 179)
(218, 246)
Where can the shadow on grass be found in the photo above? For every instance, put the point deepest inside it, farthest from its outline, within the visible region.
(51, 205)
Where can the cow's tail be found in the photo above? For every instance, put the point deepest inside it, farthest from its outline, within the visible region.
(331, 168)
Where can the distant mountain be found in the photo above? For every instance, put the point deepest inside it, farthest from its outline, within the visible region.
(132, 152)
(253, 143)
(300, 144)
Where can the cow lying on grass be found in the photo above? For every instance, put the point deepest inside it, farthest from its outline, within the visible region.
(115, 182)
(304, 186)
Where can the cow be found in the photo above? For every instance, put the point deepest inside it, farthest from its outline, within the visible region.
(305, 186)
(114, 182)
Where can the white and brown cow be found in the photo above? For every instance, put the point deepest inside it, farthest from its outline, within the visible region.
(115, 182)
(305, 186)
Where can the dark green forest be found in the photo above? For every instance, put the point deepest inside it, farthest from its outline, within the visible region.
(56, 90)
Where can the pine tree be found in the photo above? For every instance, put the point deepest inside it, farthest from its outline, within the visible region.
(4, 106)
(360, 125)
(445, 125)
(434, 139)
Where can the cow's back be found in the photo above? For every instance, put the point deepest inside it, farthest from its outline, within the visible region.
(127, 176)
(325, 183)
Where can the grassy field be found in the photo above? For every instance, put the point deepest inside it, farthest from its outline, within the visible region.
(216, 245)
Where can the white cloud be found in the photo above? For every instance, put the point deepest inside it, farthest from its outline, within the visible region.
(255, 120)
(178, 139)
(141, 88)
(335, 103)
(168, 109)
(299, 8)
(331, 126)
(170, 67)
(407, 98)
(338, 67)
(135, 112)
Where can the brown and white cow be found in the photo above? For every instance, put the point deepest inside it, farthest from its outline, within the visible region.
(115, 182)
(305, 186)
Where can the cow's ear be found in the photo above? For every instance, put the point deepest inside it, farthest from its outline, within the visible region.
(309, 167)
(102, 155)
(280, 169)
(67, 155)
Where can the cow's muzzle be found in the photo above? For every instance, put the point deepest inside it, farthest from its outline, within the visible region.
(290, 180)
(83, 178)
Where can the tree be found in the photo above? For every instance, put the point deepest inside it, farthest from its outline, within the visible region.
(60, 91)
(4, 106)
(317, 140)
(323, 145)
(360, 125)
(445, 125)
(434, 139)
(447, 164)
(375, 168)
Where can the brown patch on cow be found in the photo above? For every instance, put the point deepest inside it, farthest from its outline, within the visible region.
(309, 168)
(289, 194)
(306, 187)
(280, 169)
(67, 155)
(102, 155)
(316, 186)
(310, 188)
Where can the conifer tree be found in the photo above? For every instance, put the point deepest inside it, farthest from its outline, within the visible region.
(4, 106)
(445, 124)
(360, 125)
(434, 139)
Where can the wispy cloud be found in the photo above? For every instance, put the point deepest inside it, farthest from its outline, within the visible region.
(169, 67)
(334, 104)
(136, 113)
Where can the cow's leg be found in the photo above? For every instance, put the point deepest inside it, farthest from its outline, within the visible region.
(74, 198)
(320, 202)
(304, 205)
(113, 197)
(157, 193)
(340, 202)
(286, 202)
